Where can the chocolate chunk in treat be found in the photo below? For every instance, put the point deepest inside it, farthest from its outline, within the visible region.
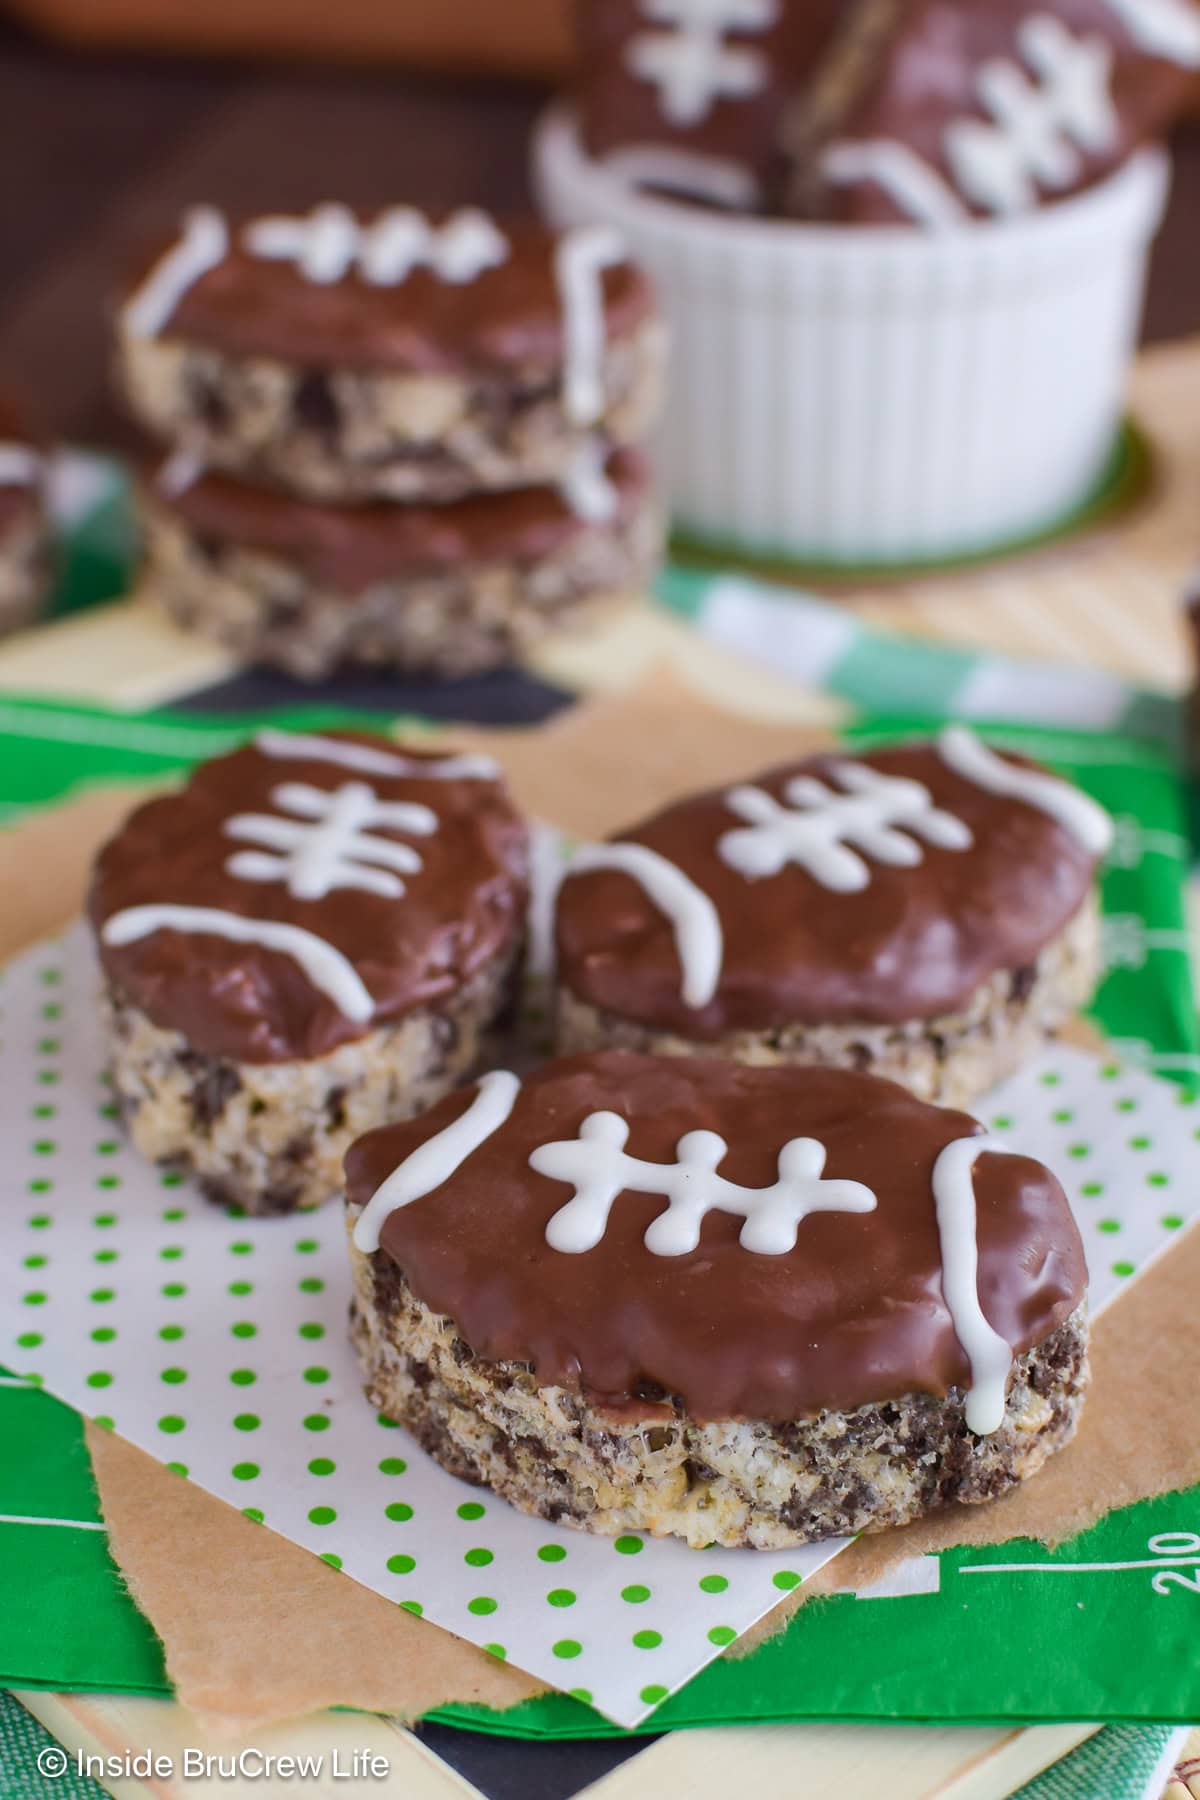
(315, 405)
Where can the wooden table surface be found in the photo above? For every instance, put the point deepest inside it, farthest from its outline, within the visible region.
(97, 149)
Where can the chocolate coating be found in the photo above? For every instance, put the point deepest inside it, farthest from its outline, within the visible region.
(508, 322)
(619, 109)
(348, 548)
(853, 1314)
(462, 908)
(904, 73)
(913, 944)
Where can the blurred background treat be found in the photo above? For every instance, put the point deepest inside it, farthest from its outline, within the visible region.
(25, 559)
(927, 358)
(449, 591)
(393, 438)
(115, 142)
(940, 110)
(697, 116)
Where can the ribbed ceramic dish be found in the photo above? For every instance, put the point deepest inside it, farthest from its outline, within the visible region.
(881, 396)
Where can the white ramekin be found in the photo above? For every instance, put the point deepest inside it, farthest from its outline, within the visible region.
(848, 395)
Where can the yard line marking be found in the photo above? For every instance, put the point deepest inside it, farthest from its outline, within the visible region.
(1099, 1568)
(68, 1524)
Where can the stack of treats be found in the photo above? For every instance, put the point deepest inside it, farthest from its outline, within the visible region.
(391, 440)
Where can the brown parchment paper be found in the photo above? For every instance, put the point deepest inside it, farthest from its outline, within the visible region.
(255, 1628)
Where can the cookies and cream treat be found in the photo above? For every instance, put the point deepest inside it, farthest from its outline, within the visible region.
(309, 586)
(24, 532)
(935, 112)
(740, 1305)
(686, 96)
(351, 358)
(313, 936)
(924, 912)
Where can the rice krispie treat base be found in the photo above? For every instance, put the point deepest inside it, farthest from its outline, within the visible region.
(270, 1137)
(357, 435)
(348, 358)
(741, 1483)
(448, 591)
(951, 1059)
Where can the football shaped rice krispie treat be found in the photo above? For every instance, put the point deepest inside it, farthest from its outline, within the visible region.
(451, 590)
(935, 112)
(744, 1306)
(315, 935)
(687, 96)
(352, 358)
(923, 912)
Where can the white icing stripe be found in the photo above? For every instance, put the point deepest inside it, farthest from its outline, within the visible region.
(1169, 29)
(331, 973)
(580, 260)
(690, 63)
(914, 185)
(326, 845)
(880, 815)
(323, 246)
(182, 470)
(439, 1157)
(1037, 123)
(596, 1166)
(204, 244)
(1076, 812)
(295, 746)
(586, 488)
(987, 1352)
(330, 242)
(679, 171)
(695, 920)
(19, 465)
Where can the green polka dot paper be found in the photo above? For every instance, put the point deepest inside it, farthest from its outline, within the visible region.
(219, 1345)
(1125, 1146)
